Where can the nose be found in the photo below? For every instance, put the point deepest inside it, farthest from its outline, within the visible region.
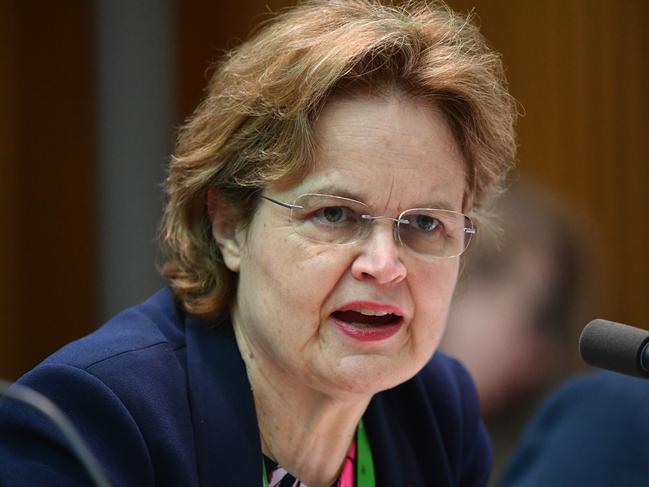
(379, 257)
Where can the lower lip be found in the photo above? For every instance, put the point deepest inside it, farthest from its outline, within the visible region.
(367, 334)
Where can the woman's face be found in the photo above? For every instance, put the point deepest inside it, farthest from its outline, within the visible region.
(298, 301)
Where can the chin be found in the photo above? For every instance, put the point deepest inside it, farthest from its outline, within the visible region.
(363, 376)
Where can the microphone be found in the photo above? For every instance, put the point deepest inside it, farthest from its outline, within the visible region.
(617, 347)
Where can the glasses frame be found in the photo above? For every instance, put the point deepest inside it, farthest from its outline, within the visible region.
(471, 230)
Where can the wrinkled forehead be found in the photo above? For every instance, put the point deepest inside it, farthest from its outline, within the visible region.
(389, 151)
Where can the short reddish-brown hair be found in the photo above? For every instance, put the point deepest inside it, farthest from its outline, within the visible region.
(255, 125)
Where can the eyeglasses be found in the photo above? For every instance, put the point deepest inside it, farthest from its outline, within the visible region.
(336, 220)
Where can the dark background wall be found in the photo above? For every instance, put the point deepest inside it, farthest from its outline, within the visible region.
(578, 67)
(48, 240)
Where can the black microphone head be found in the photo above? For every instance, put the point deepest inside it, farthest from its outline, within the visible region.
(614, 346)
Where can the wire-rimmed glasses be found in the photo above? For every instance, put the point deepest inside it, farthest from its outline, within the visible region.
(338, 220)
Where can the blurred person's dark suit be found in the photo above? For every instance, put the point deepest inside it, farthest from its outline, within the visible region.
(594, 431)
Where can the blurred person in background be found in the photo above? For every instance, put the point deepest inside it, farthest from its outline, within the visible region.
(514, 318)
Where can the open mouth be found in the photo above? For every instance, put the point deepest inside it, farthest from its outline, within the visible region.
(358, 318)
(366, 325)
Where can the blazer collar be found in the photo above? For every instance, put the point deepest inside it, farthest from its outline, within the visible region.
(224, 418)
(392, 453)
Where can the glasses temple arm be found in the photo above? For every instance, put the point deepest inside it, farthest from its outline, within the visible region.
(281, 203)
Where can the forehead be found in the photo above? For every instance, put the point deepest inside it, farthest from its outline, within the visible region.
(392, 151)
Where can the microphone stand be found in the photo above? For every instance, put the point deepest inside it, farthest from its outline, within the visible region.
(41, 403)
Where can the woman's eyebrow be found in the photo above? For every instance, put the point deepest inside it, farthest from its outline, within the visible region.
(437, 205)
(345, 192)
(335, 190)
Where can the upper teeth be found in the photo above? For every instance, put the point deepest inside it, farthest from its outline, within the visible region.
(374, 313)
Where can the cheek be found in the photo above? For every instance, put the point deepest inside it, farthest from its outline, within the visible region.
(434, 288)
(266, 297)
(263, 275)
(281, 272)
(439, 279)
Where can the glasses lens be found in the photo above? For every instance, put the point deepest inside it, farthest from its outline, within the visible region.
(329, 219)
(436, 233)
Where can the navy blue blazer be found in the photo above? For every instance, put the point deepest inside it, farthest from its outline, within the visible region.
(163, 399)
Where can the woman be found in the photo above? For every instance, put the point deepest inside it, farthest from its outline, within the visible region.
(316, 213)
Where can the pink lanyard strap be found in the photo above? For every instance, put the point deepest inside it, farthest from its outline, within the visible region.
(364, 463)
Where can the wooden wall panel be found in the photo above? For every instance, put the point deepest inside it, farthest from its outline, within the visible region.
(205, 29)
(50, 256)
(578, 67)
(8, 150)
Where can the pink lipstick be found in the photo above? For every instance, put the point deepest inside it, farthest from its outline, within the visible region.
(368, 321)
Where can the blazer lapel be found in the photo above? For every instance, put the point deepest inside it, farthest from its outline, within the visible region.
(224, 418)
(394, 461)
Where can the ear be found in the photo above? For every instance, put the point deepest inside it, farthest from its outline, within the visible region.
(225, 229)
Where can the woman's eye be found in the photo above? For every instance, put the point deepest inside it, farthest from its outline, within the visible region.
(332, 214)
(426, 223)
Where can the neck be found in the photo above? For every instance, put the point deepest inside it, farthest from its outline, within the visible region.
(304, 430)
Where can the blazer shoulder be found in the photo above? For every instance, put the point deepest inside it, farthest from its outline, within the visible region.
(156, 324)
